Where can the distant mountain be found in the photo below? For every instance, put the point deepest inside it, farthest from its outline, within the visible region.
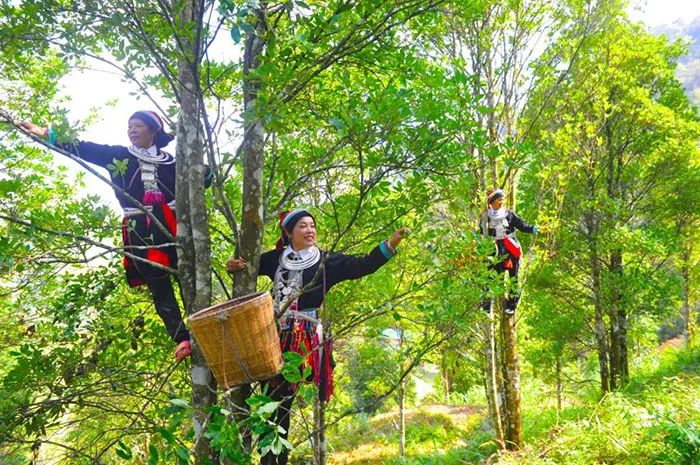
(689, 66)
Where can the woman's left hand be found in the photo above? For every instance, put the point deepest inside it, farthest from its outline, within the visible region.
(398, 236)
(234, 264)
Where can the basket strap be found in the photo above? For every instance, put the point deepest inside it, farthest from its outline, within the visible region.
(246, 371)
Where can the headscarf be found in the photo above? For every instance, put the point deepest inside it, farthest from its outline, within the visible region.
(288, 220)
(153, 121)
(495, 194)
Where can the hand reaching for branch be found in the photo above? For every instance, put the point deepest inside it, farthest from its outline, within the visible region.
(398, 236)
(234, 264)
(33, 128)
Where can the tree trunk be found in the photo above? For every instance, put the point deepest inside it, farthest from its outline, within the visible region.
(600, 333)
(620, 332)
(613, 316)
(252, 224)
(490, 120)
(493, 381)
(624, 359)
(445, 376)
(559, 385)
(193, 226)
(685, 308)
(402, 399)
(319, 431)
(511, 380)
(402, 419)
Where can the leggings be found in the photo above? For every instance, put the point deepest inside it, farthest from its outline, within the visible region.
(167, 308)
(513, 297)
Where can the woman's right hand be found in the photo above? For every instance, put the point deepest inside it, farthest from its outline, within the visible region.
(33, 128)
(235, 264)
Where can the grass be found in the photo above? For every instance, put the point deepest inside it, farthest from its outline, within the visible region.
(434, 434)
(655, 420)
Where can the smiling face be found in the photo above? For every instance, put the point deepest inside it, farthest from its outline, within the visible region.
(304, 233)
(497, 203)
(140, 134)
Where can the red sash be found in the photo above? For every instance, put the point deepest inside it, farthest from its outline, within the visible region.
(512, 246)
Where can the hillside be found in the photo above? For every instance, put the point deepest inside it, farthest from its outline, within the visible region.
(653, 421)
(689, 66)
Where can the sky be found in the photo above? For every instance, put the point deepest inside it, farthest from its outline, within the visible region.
(658, 12)
(95, 89)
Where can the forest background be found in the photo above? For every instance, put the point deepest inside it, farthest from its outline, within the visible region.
(375, 115)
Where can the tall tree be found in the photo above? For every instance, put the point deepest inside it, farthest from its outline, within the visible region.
(163, 47)
(626, 131)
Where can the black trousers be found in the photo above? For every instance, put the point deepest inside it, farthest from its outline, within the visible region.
(284, 393)
(167, 307)
(513, 297)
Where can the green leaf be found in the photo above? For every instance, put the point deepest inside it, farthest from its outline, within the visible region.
(153, 455)
(293, 358)
(167, 435)
(235, 33)
(123, 451)
(336, 123)
(268, 408)
(179, 403)
(183, 454)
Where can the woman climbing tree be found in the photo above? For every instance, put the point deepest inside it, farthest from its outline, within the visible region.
(500, 223)
(299, 290)
(142, 171)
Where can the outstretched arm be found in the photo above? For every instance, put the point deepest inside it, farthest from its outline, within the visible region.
(267, 267)
(523, 226)
(35, 129)
(97, 154)
(342, 267)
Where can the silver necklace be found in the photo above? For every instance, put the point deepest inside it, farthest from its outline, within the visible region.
(300, 260)
(163, 158)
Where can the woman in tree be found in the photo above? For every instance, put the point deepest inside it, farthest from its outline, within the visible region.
(298, 290)
(500, 223)
(145, 173)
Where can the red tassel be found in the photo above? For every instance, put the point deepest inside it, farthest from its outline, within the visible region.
(315, 359)
(283, 241)
(153, 198)
(158, 256)
(303, 339)
(328, 369)
(125, 232)
(170, 220)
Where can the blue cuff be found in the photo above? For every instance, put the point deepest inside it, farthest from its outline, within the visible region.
(386, 250)
(535, 229)
(51, 137)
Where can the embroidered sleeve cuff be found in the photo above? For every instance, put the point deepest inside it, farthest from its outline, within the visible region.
(51, 136)
(387, 250)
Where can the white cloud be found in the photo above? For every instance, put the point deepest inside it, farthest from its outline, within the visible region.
(659, 12)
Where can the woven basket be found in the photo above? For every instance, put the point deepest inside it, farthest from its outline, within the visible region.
(239, 339)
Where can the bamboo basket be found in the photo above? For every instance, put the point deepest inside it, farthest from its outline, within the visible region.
(239, 339)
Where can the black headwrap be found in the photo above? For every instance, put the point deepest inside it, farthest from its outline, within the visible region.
(153, 121)
(495, 194)
(288, 220)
